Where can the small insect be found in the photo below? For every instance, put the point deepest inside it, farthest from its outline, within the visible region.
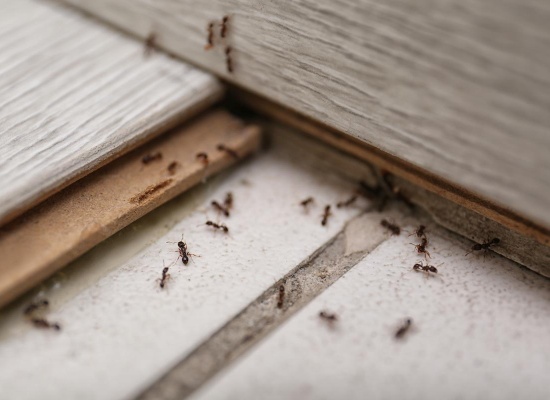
(184, 253)
(329, 318)
(395, 230)
(307, 202)
(419, 232)
(228, 201)
(203, 157)
(149, 158)
(172, 167)
(210, 38)
(421, 248)
(220, 208)
(228, 59)
(484, 246)
(222, 227)
(33, 307)
(231, 152)
(223, 29)
(165, 277)
(347, 202)
(150, 44)
(403, 329)
(281, 296)
(326, 214)
(426, 268)
(45, 324)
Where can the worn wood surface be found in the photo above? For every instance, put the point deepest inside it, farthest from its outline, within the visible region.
(92, 209)
(74, 94)
(459, 88)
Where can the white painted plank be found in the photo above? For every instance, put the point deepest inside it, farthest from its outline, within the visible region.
(459, 88)
(480, 331)
(121, 332)
(74, 94)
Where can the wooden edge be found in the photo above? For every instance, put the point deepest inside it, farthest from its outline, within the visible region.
(94, 208)
(160, 128)
(396, 166)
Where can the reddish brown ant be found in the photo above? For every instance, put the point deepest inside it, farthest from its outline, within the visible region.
(330, 318)
(220, 208)
(228, 202)
(426, 268)
(305, 203)
(484, 246)
(31, 308)
(210, 39)
(421, 248)
(222, 227)
(223, 29)
(172, 167)
(419, 232)
(45, 324)
(150, 44)
(148, 158)
(165, 277)
(326, 215)
(231, 152)
(395, 230)
(228, 59)
(203, 157)
(281, 296)
(403, 329)
(347, 202)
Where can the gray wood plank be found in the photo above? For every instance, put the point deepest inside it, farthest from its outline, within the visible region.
(74, 94)
(459, 88)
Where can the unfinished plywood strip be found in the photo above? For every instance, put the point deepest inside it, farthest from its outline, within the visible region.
(460, 89)
(76, 219)
(76, 95)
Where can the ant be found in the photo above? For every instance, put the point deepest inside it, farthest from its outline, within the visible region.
(210, 39)
(419, 232)
(150, 44)
(348, 202)
(330, 318)
(228, 59)
(426, 268)
(184, 253)
(231, 152)
(228, 202)
(31, 308)
(223, 30)
(305, 203)
(43, 323)
(172, 167)
(220, 208)
(326, 214)
(395, 230)
(165, 277)
(484, 246)
(281, 296)
(148, 158)
(421, 248)
(203, 157)
(403, 329)
(222, 227)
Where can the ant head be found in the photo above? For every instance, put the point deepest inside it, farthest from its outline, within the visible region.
(417, 266)
(181, 245)
(165, 270)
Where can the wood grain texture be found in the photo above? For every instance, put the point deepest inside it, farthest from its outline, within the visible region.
(459, 88)
(74, 94)
(73, 221)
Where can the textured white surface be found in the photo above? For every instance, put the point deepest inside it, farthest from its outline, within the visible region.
(481, 331)
(123, 332)
(74, 93)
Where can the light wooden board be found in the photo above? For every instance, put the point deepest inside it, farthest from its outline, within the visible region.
(458, 88)
(92, 209)
(76, 94)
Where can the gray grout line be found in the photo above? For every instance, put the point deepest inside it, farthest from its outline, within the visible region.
(310, 278)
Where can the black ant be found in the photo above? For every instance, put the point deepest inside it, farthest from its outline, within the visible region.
(347, 202)
(426, 268)
(305, 203)
(231, 152)
(220, 208)
(395, 230)
(148, 158)
(281, 296)
(150, 44)
(223, 29)
(326, 214)
(203, 157)
(184, 253)
(330, 318)
(165, 277)
(228, 59)
(421, 248)
(31, 308)
(210, 39)
(484, 246)
(43, 323)
(419, 232)
(403, 329)
(222, 227)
